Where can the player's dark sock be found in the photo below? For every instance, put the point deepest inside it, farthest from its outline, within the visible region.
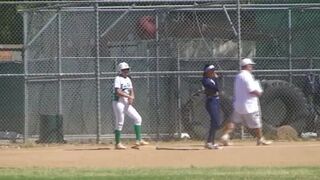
(137, 130)
(211, 136)
(117, 134)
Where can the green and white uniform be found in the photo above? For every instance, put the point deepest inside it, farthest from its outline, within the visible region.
(120, 104)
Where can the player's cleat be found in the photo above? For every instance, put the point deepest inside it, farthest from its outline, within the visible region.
(212, 146)
(120, 147)
(262, 141)
(225, 140)
(141, 143)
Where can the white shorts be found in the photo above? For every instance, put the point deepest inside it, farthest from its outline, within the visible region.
(251, 120)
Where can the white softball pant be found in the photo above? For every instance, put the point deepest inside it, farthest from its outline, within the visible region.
(120, 108)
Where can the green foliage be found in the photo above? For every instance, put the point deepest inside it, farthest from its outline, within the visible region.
(279, 1)
(11, 25)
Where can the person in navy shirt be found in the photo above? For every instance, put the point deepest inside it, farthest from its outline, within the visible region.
(211, 90)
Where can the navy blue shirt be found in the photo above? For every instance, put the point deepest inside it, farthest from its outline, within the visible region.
(211, 86)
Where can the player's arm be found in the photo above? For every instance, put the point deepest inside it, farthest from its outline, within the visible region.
(131, 93)
(209, 84)
(257, 89)
(252, 87)
(119, 92)
(132, 96)
(216, 75)
(256, 93)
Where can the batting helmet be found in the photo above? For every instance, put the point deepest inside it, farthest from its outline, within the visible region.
(123, 66)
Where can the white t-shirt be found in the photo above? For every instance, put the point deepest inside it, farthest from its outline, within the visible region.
(124, 84)
(244, 102)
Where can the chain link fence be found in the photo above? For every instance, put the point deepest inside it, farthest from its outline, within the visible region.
(63, 86)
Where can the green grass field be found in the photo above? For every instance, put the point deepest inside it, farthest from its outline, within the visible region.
(192, 173)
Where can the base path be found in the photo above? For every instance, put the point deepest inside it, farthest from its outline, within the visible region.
(104, 156)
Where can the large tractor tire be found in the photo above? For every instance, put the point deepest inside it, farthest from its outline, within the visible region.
(196, 119)
(284, 104)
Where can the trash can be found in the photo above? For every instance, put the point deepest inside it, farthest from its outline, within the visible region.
(51, 129)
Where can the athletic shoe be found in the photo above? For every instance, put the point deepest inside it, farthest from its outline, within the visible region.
(225, 140)
(226, 143)
(262, 141)
(120, 146)
(141, 143)
(212, 146)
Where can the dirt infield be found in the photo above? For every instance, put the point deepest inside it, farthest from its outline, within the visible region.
(184, 155)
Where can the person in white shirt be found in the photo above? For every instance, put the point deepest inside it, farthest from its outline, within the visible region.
(246, 107)
(122, 104)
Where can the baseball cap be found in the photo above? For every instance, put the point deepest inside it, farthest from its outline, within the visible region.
(209, 67)
(246, 61)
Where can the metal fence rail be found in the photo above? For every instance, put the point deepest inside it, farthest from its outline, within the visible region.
(71, 50)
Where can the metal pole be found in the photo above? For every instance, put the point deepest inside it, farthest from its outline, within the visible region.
(239, 48)
(43, 29)
(179, 94)
(148, 88)
(158, 77)
(210, 3)
(25, 58)
(290, 44)
(230, 21)
(206, 6)
(239, 32)
(98, 92)
(176, 8)
(116, 21)
(59, 64)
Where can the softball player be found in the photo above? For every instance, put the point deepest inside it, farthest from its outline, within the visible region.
(122, 104)
(210, 83)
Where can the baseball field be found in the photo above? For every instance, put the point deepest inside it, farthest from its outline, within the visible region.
(173, 160)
